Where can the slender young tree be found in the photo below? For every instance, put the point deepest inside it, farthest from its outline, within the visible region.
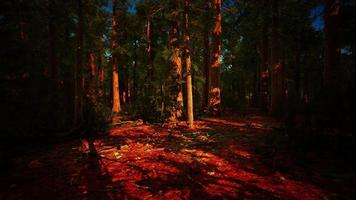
(187, 63)
(116, 107)
(214, 103)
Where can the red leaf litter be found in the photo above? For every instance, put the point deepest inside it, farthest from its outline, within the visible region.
(215, 160)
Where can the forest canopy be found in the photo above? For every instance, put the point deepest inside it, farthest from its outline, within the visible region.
(75, 63)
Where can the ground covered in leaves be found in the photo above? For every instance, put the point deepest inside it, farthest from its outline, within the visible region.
(222, 158)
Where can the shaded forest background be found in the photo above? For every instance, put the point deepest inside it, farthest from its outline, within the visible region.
(291, 59)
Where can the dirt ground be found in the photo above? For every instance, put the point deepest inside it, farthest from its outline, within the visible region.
(222, 158)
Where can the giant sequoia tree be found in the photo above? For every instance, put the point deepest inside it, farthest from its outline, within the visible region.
(116, 107)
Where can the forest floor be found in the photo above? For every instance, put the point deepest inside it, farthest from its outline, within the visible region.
(222, 158)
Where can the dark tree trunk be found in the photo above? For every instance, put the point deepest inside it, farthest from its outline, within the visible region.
(214, 103)
(277, 65)
(149, 49)
(78, 69)
(264, 74)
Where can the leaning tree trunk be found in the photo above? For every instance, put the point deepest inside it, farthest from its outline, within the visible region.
(115, 74)
(214, 103)
(187, 61)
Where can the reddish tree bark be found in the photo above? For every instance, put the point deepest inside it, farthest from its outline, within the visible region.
(116, 107)
(214, 103)
(187, 61)
(92, 65)
(176, 92)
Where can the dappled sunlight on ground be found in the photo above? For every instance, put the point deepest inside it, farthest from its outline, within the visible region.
(212, 161)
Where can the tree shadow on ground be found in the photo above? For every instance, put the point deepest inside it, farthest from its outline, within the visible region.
(214, 161)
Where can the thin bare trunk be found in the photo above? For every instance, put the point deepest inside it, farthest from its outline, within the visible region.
(190, 114)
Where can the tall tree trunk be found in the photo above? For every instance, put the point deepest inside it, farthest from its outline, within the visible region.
(264, 74)
(53, 92)
(149, 48)
(100, 75)
(92, 66)
(176, 93)
(277, 65)
(134, 77)
(332, 113)
(214, 103)
(332, 51)
(116, 107)
(78, 69)
(187, 61)
(52, 43)
(206, 60)
(297, 74)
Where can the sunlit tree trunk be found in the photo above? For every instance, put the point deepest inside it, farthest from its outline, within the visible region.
(92, 67)
(124, 85)
(176, 108)
(78, 69)
(214, 103)
(115, 74)
(187, 61)
(276, 62)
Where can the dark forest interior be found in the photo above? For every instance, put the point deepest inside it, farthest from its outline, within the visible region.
(178, 99)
